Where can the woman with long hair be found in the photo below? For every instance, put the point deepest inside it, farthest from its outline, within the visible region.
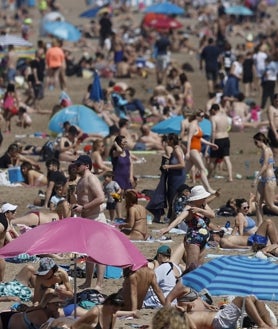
(175, 170)
(122, 166)
(194, 146)
(136, 219)
(266, 179)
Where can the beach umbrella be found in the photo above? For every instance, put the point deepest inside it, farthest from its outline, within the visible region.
(164, 22)
(236, 275)
(103, 243)
(15, 40)
(93, 12)
(79, 115)
(62, 30)
(171, 125)
(166, 8)
(96, 93)
(238, 10)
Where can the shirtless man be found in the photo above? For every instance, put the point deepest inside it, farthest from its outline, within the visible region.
(136, 285)
(201, 315)
(265, 231)
(90, 199)
(220, 136)
(272, 135)
(11, 64)
(151, 140)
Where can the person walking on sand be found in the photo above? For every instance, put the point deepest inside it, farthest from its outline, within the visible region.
(194, 146)
(266, 179)
(90, 199)
(220, 137)
(272, 135)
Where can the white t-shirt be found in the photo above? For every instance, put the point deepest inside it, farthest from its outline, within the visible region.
(166, 280)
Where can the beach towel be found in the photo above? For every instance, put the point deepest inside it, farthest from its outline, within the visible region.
(17, 289)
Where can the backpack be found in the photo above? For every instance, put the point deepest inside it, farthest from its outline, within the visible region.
(48, 151)
(89, 298)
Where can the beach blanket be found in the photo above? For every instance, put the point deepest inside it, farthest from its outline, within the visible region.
(17, 289)
(22, 258)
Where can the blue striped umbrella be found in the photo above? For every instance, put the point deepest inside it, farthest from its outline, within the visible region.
(237, 276)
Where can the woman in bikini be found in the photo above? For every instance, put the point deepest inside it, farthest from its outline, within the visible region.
(32, 317)
(68, 145)
(102, 316)
(194, 146)
(32, 177)
(136, 221)
(244, 224)
(35, 218)
(266, 179)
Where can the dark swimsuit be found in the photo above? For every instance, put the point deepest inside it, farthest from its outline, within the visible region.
(28, 323)
(5, 318)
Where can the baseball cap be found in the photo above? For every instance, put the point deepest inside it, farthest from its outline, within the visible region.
(164, 250)
(84, 159)
(46, 264)
(8, 207)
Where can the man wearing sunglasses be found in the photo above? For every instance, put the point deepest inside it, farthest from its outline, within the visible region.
(7, 232)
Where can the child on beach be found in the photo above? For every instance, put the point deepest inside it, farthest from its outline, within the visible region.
(10, 105)
(255, 112)
(112, 192)
(24, 119)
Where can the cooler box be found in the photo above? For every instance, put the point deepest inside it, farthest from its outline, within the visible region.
(113, 272)
(15, 175)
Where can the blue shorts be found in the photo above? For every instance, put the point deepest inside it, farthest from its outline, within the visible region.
(257, 238)
(68, 309)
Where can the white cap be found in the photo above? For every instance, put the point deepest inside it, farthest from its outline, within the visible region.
(8, 207)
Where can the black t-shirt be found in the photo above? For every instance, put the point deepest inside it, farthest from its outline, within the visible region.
(56, 177)
(162, 45)
(5, 161)
(39, 65)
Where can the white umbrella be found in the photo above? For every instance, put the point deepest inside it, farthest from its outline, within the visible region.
(15, 40)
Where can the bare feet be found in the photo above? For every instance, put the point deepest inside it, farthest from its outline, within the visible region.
(85, 285)
(98, 288)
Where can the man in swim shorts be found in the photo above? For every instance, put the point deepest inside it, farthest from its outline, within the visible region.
(220, 126)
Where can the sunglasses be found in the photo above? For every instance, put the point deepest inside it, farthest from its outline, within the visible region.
(245, 208)
(12, 211)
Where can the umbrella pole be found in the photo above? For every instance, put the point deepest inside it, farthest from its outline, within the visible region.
(75, 286)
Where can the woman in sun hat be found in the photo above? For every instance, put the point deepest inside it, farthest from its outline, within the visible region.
(197, 215)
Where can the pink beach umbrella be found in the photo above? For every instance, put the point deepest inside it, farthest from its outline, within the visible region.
(103, 243)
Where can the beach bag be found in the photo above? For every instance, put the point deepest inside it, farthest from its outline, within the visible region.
(89, 298)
